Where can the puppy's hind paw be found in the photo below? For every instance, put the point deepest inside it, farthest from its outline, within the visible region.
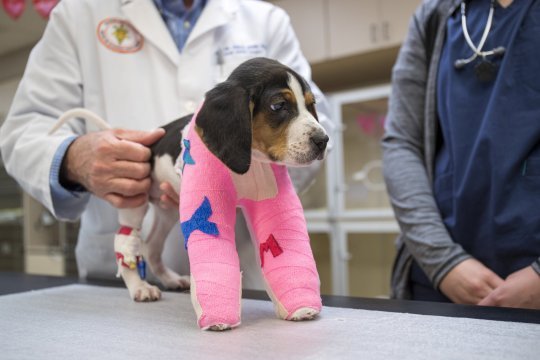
(145, 293)
(304, 313)
(172, 280)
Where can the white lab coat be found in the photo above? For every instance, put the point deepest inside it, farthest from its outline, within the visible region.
(70, 67)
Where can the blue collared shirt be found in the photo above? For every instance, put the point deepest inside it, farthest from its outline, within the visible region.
(179, 20)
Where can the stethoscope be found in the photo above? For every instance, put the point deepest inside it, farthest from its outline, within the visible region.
(485, 69)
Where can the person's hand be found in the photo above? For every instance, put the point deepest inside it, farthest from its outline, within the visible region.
(469, 282)
(112, 164)
(169, 197)
(520, 289)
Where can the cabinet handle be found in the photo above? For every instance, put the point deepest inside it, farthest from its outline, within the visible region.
(386, 30)
(373, 33)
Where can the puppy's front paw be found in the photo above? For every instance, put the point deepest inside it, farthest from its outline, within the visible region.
(304, 313)
(145, 292)
(219, 327)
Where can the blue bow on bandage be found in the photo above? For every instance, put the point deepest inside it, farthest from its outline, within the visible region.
(199, 221)
(187, 155)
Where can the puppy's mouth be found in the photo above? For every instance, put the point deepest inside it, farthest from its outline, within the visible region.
(299, 158)
(310, 157)
(317, 145)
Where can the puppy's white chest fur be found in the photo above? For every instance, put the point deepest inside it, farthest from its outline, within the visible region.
(258, 183)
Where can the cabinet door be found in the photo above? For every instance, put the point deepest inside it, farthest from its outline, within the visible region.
(395, 17)
(353, 26)
(308, 18)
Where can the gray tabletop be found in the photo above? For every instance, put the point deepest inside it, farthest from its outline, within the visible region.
(95, 322)
(15, 282)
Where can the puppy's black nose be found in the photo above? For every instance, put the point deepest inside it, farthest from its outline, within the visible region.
(320, 140)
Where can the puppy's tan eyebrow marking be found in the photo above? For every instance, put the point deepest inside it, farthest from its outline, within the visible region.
(310, 99)
(288, 95)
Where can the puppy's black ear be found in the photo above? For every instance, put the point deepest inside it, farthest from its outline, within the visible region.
(225, 121)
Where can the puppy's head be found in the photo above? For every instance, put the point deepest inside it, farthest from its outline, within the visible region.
(265, 110)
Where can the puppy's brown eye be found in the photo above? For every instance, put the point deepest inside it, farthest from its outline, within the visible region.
(277, 106)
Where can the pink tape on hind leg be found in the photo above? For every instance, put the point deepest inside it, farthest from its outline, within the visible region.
(291, 273)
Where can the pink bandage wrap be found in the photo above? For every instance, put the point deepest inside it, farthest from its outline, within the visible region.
(280, 236)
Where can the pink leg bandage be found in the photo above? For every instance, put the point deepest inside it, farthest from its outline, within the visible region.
(208, 199)
(287, 261)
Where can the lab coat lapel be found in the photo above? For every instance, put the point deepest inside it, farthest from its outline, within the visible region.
(216, 13)
(145, 17)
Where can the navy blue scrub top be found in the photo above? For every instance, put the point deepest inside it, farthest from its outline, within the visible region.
(487, 167)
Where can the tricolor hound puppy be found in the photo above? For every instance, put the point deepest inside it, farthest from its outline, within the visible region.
(261, 119)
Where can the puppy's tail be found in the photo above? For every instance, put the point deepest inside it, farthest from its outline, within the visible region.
(80, 113)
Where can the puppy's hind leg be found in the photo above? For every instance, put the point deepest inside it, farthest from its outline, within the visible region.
(128, 249)
(163, 222)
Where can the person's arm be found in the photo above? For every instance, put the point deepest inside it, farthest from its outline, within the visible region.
(405, 172)
(66, 199)
(111, 164)
(284, 47)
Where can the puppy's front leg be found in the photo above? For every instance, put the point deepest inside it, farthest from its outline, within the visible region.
(128, 249)
(285, 254)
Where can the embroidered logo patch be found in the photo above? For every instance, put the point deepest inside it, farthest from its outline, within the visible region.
(119, 36)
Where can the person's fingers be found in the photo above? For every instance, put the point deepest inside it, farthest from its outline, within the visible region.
(494, 280)
(131, 170)
(131, 151)
(168, 189)
(123, 202)
(488, 300)
(167, 203)
(169, 196)
(481, 292)
(142, 137)
(129, 187)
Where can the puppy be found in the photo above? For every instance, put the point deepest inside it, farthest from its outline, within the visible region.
(263, 114)
(237, 146)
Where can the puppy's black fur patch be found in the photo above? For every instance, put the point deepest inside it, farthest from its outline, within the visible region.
(171, 142)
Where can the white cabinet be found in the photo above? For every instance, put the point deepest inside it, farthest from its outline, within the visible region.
(395, 17)
(353, 26)
(331, 29)
(308, 18)
(357, 26)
